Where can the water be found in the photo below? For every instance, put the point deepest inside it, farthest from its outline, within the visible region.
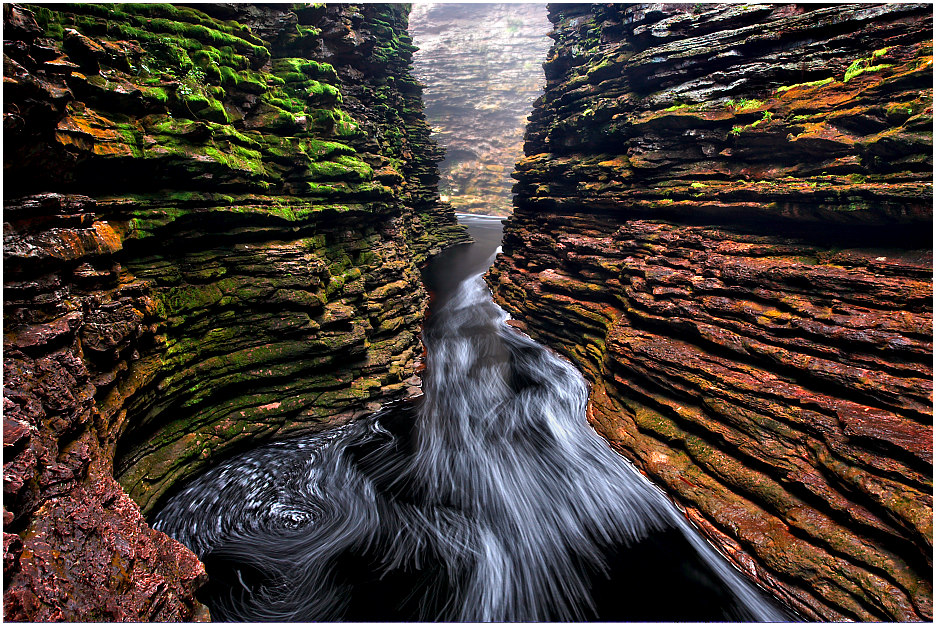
(488, 499)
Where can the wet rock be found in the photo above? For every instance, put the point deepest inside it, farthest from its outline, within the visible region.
(724, 219)
(89, 555)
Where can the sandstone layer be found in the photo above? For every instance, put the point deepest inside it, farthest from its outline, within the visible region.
(724, 217)
(481, 65)
(214, 218)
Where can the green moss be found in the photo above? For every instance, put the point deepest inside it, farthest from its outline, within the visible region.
(605, 64)
(224, 56)
(191, 15)
(744, 105)
(315, 89)
(346, 126)
(766, 118)
(334, 122)
(815, 83)
(155, 94)
(342, 168)
(229, 76)
(293, 105)
(307, 32)
(202, 105)
(168, 125)
(864, 66)
(54, 30)
(322, 149)
(208, 32)
(170, 35)
(244, 79)
(303, 67)
(178, 300)
(49, 21)
(168, 55)
(144, 223)
(237, 158)
(210, 59)
(322, 190)
(277, 119)
(215, 112)
(360, 168)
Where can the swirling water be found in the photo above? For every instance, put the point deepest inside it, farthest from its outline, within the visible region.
(487, 499)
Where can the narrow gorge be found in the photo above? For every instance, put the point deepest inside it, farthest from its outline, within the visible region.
(253, 369)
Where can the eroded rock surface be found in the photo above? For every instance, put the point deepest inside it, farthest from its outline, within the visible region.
(724, 218)
(481, 64)
(213, 222)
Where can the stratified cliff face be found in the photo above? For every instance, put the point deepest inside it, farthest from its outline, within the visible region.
(213, 220)
(724, 218)
(481, 67)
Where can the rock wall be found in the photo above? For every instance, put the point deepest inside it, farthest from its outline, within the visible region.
(724, 218)
(213, 221)
(481, 64)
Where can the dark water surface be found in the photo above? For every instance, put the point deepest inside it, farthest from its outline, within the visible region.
(487, 499)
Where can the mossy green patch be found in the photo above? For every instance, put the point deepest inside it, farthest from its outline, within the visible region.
(765, 119)
(745, 104)
(303, 69)
(815, 83)
(864, 66)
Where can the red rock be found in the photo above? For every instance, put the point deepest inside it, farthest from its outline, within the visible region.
(108, 549)
(711, 222)
(15, 433)
(43, 334)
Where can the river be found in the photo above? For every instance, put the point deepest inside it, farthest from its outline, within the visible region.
(489, 498)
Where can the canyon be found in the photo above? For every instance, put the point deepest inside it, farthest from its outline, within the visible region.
(215, 218)
(213, 223)
(724, 218)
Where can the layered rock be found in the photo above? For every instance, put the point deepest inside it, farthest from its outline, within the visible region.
(213, 222)
(724, 218)
(481, 67)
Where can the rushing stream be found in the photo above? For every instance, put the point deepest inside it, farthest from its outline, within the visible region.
(487, 499)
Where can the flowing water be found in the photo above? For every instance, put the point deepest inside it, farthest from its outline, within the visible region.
(487, 499)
